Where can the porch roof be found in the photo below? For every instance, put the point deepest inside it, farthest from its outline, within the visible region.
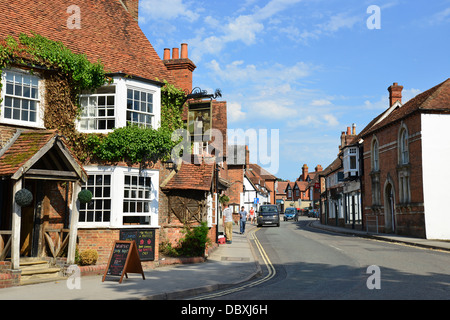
(39, 154)
(192, 177)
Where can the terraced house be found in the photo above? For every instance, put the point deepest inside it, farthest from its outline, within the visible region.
(46, 162)
(406, 149)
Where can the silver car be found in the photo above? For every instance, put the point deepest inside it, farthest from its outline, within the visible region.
(268, 214)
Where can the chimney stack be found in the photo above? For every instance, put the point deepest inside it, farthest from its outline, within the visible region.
(395, 94)
(181, 68)
(304, 172)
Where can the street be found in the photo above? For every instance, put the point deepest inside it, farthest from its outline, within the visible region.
(300, 262)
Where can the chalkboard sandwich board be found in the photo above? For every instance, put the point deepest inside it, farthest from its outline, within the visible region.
(145, 241)
(124, 259)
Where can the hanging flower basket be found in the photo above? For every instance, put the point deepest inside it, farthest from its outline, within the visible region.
(23, 197)
(85, 196)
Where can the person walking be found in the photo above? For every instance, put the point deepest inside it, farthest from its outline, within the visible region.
(252, 215)
(243, 215)
(228, 223)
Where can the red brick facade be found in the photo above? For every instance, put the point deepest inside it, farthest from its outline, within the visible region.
(394, 192)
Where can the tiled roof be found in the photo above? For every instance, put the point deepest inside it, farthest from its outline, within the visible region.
(23, 148)
(282, 186)
(436, 99)
(193, 177)
(263, 173)
(107, 32)
(21, 153)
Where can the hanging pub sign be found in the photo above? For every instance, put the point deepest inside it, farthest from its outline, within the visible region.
(145, 241)
(124, 259)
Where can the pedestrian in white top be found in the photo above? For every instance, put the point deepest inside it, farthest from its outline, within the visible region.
(228, 223)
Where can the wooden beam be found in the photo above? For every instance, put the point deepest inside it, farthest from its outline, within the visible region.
(51, 174)
(16, 223)
(73, 227)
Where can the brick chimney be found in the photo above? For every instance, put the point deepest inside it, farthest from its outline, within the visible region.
(304, 172)
(180, 67)
(318, 168)
(132, 7)
(395, 94)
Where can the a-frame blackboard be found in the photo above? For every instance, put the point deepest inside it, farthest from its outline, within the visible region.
(124, 259)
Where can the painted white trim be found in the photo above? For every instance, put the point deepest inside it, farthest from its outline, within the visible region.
(117, 196)
(435, 159)
(120, 111)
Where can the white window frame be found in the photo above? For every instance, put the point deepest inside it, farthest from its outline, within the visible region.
(122, 84)
(39, 123)
(139, 112)
(117, 197)
(92, 112)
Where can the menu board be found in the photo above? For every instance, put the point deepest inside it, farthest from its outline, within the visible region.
(118, 258)
(124, 259)
(145, 241)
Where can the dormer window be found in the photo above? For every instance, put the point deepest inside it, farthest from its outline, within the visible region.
(20, 94)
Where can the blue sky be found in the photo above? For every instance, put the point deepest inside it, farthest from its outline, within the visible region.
(309, 68)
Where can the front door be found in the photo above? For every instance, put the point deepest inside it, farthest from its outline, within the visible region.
(27, 224)
(31, 220)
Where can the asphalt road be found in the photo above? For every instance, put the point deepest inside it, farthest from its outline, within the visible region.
(300, 262)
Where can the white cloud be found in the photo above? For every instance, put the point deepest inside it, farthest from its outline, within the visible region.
(330, 120)
(441, 17)
(234, 112)
(166, 10)
(320, 103)
(243, 28)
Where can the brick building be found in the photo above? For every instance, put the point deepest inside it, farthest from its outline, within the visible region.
(406, 149)
(124, 196)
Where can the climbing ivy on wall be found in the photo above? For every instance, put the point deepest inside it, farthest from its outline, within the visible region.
(66, 74)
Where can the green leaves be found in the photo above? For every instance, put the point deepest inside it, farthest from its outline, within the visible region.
(133, 144)
(55, 55)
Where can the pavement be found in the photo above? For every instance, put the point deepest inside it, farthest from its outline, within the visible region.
(228, 265)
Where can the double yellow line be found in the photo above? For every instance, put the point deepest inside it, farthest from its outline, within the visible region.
(267, 262)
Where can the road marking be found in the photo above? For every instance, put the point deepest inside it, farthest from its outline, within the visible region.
(267, 262)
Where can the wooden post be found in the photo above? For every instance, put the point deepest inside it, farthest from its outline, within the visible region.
(16, 223)
(73, 227)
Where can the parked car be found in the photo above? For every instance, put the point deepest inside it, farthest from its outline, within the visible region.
(290, 213)
(313, 213)
(268, 214)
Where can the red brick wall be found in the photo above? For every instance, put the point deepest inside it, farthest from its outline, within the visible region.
(102, 240)
(410, 216)
(236, 177)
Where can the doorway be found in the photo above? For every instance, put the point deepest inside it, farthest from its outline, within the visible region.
(30, 229)
(389, 211)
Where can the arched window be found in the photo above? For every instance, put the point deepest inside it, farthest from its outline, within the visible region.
(375, 156)
(403, 170)
(403, 147)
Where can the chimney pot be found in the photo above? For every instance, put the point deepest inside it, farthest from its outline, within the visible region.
(184, 51)
(175, 53)
(354, 129)
(349, 131)
(166, 54)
